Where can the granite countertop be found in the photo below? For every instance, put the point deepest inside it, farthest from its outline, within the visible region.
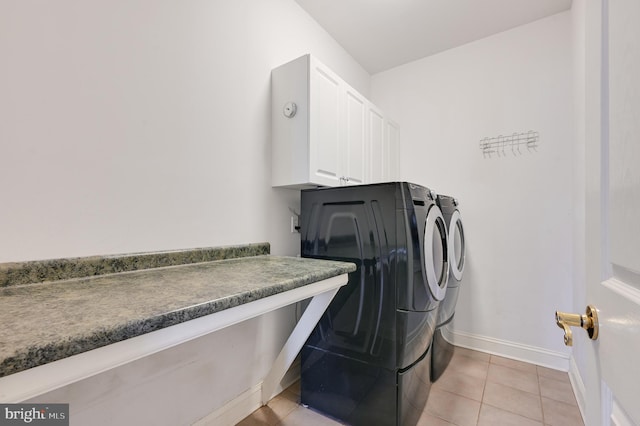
(47, 321)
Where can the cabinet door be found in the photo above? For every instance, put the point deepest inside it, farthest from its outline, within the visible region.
(392, 148)
(354, 147)
(326, 96)
(376, 144)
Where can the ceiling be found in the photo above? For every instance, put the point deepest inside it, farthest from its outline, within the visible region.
(382, 34)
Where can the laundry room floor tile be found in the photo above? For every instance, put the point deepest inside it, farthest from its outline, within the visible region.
(470, 353)
(552, 374)
(469, 366)
(263, 416)
(558, 413)
(492, 416)
(512, 363)
(461, 384)
(517, 379)
(428, 420)
(557, 390)
(477, 389)
(453, 408)
(514, 400)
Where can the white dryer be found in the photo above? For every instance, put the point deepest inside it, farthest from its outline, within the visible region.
(443, 350)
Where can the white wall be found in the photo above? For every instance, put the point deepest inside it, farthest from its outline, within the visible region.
(517, 210)
(144, 125)
(139, 125)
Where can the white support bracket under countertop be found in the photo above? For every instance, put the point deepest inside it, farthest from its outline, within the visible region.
(294, 343)
(35, 381)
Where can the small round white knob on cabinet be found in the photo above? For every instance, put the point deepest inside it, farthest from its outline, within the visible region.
(290, 109)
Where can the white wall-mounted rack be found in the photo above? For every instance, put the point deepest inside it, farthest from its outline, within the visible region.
(515, 144)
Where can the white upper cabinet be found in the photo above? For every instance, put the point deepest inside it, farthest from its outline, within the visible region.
(320, 128)
(325, 125)
(376, 144)
(392, 151)
(354, 162)
(384, 144)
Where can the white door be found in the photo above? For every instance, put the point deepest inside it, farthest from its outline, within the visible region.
(611, 373)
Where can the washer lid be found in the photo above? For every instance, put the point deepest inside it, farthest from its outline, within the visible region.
(436, 259)
(456, 245)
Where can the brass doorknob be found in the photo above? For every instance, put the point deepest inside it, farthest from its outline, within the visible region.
(588, 321)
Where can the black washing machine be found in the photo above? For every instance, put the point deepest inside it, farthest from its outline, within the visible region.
(443, 350)
(368, 360)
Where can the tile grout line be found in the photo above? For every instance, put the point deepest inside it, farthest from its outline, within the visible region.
(540, 395)
(484, 388)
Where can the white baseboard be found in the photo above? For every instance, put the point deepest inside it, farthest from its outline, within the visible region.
(247, 402)
(235, 410)
(507, 349)
(577, 384)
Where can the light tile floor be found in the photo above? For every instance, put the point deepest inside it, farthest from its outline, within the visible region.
(476, 389)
